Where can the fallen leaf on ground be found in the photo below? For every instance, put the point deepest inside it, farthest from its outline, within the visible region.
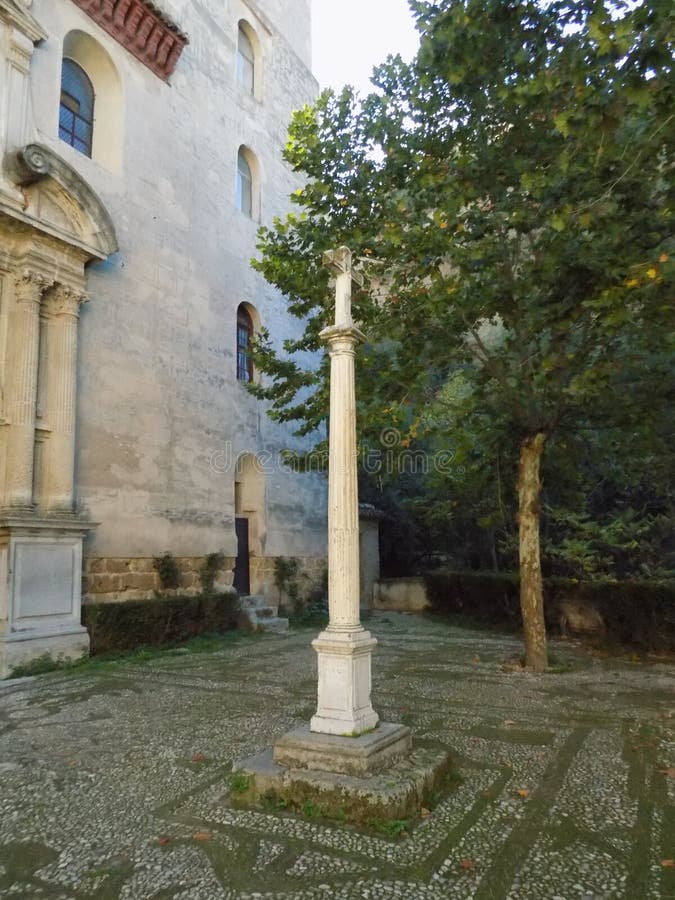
(163, 839)
(523, 792)
(425, 813)
(509, 722)
(669, 773)
(488, 794)
(467, 865)
(198, 757)
(476, 659)
(668, 863)
(201, 836)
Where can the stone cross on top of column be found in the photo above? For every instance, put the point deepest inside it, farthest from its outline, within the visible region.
(340, 263)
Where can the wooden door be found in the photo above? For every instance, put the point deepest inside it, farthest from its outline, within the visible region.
(242, 579)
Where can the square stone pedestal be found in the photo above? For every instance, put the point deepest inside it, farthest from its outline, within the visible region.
(399, 791)
(40, 590)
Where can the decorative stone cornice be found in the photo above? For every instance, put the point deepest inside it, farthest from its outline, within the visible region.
(142, 29)
(15, 12)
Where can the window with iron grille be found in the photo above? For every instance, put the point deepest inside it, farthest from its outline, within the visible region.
(244, 335)
(245, 61)
(76, 110)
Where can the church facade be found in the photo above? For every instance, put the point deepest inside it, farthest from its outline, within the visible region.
(141, 146)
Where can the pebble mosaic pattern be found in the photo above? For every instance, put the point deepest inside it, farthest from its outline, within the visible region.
(113, 782)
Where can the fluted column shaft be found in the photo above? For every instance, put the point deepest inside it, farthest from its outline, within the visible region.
(61, 311)
(22, 377)
(343, 502)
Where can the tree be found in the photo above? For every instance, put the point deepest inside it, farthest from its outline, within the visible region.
(507, 193)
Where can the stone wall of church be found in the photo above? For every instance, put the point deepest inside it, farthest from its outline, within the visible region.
(161, 418)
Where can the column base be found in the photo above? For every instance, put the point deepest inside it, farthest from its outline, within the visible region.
(344, 706)
(364, 755)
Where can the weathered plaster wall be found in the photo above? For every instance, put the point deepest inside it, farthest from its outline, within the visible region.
(158, 400)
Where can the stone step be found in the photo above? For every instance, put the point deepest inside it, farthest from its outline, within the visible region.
(264, 619)
(253, 601)
(276, 625)
(265, 612)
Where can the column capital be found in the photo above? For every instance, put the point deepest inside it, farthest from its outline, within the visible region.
(342, 338)
(30, 286)
(64, 300)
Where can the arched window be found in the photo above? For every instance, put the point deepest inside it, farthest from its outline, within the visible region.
(244, 336)
(76, 111)
(244, 185)
(91, 111)
(245, 61)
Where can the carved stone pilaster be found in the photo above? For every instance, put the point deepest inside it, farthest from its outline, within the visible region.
(61, 309)
(21, 390)
(21, 32)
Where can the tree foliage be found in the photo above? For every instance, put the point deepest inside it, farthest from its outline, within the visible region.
(509, 196)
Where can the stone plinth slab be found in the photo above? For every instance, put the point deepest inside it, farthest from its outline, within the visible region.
(363, 755)
(40, 590)
(400, 792)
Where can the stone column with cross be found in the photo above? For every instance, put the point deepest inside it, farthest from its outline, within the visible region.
(345, 737)
(344, 649)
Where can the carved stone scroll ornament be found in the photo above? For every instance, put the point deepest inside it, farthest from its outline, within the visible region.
(36, 163)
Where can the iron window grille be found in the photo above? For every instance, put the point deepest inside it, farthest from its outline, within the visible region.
(76, 110)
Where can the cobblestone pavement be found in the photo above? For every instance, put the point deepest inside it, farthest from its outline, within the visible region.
(113, 781)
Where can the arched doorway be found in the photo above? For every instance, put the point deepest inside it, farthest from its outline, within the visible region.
(249, 518)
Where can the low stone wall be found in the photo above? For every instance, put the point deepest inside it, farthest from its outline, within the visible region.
(401, 594)
(111, 579)
(108, 579)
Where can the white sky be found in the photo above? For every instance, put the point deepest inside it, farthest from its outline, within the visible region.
(350, 37)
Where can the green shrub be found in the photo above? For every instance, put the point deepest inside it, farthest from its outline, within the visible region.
(636, 613)
(168, 570)
(285, 577)
(486, 597)
(208, 571)
(115, 627)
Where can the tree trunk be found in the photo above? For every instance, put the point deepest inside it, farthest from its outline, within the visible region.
(531, 587)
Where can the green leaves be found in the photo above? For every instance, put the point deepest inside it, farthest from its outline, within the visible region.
(506, 195)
